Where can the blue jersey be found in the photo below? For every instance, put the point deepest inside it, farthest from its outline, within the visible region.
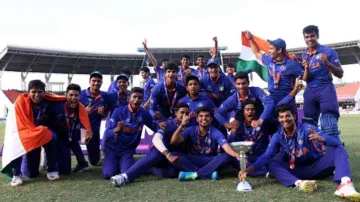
(217, 90)
(164, 101)
(285, 73)
(117, 100)
(172, 125)
(260, 138)
(101, 100)
(181, 75)
(195, 104)
(264, 105)
(160, 74)
(231, 78)
(147, 86)
(113, 87)
(129, 137)
(203, 145)
(40, 113)
(201, 73)
(319, 73)
(299, 146)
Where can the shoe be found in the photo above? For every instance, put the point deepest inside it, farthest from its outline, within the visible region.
(16, 181)
(243, 186)
(347, 191)
(53, 176)
(80, 168)
(307, 185)
(118, 180)
(185, 176)
(214, 175)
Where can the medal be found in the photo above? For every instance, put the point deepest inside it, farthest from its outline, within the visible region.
(292, 166)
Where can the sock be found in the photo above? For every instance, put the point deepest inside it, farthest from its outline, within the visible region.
(125, 176)
(345, 179)
(297, 183)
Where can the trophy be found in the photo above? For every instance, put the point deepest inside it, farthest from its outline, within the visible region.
(242, 147)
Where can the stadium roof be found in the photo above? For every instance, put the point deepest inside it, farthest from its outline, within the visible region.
(25, 59)
(174, 54)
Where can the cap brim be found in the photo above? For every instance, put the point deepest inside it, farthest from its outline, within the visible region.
(208, 65)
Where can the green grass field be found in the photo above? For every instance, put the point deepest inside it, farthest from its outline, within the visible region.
(89, 186)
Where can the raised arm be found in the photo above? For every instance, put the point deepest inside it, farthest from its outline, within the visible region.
(149, 54)
(253, 45)
(177, 138)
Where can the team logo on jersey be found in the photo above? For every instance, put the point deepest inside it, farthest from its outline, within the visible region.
(300, 141)
(127, 120)
(209, 141)
(221, 88)
(188, 103)
(200, 105)
(317, 57)
(90, 100)
(209, 87)
(283, 68)
(111, 120)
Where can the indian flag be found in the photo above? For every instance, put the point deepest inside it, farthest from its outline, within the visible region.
(21, 133)
(248, 61)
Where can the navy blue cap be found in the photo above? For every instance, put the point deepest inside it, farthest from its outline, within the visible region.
(213, 61)
(123, 77)
(278, 43)
(96, 74)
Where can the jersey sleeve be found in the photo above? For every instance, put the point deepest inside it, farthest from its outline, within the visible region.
(266, 59)
(227, 106)
(267, 101)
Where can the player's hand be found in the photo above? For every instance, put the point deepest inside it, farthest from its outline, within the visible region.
(298, 84)
(248, 35)
(88, 136)
(101, 110)
(157, 116)
(314, 136)
(144, 43)
(305, 64)
(235, 125)
(242, 176)
(147, 105)
(215, 39)
(163, 126)
(256, 123)
(185, 120)
(173, 159)
(188, 72)
(324, 58)
(89, 109)
(119, 127)
(212, 52)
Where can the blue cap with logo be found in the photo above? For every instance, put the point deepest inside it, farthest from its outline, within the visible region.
(122, 77)
(278, 43)
(96, 74)
(213, 61)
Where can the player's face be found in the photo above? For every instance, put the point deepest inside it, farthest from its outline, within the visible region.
(36, 95)
(193, 87)
(136, 99)
(165, 63)
(249, 112)
(230, 70)
(273, 52)
(213, 70)
(95, 83)
(144, 75)
(242, 86)
(122, 85)
(204, 119)
(72, 98)
(181, 112)
(170, 74)
(311, 39)
(286, 119)
(200, 61)
(185, 62)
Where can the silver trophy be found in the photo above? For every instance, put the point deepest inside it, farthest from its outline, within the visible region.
(242, 147)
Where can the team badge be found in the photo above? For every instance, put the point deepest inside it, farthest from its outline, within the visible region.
(221, 88)
(283, 68)
(209, 141)
(127, 120)
(317, 57)
(90, 100)
(200, 105)
(209, 87)
(300, 141)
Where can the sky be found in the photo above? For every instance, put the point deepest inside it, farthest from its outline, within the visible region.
(120, 26)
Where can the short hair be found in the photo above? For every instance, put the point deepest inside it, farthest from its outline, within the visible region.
(200, 56)
(311, 29)
(283, 108)
(126, 71)
(73, 86)
(185, 56)
(136, 90)
(204, 109)
(145, 69)
(230, 65)
(181, 105)
(165, 60)
(241, 75)
(240, 114)
(36, 84)
(171, 66)
(191, 77)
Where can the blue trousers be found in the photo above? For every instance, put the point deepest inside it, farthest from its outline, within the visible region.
(93, 149)
(153, 160)
(31, 161)
(115, 162)
(203, 165)
(76, 149)
(63, 156)
(322, 99)
(336, 158)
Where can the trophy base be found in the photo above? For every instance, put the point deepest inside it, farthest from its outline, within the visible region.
(243, 186)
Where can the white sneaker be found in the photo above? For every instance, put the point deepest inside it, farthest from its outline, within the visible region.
(53, 176)
(118, 180)
(347, 191)
(16, 181)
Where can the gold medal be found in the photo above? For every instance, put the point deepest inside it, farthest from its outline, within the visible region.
(292, 166)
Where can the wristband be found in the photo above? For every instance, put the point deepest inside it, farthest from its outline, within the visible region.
(167, 156)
